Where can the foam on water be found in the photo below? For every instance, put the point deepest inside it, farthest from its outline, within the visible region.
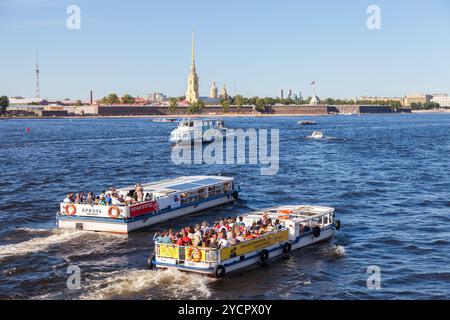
(339, 251)
(132, 282)
(40, 244)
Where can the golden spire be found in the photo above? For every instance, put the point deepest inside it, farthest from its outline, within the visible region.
(193, 47)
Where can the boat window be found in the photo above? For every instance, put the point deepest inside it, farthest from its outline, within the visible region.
(202, 193)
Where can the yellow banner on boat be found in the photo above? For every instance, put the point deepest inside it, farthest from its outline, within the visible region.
(254, 245)
(168, 251)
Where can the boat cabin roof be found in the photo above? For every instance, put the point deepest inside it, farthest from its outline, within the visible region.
(295, 213)
(181, 184)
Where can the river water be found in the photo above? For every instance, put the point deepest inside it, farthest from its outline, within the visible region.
(386, 175)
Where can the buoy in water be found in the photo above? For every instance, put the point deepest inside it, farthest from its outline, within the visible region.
(27, 130)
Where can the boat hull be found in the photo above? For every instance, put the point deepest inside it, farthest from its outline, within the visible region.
(127, 226)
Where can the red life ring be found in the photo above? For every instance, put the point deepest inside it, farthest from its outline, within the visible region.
(114, 212)
(70, 209)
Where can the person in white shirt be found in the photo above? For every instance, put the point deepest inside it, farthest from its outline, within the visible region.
(223, 241)
(115, 200)
(67, 199)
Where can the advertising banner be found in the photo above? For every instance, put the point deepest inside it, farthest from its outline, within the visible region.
(254, 245)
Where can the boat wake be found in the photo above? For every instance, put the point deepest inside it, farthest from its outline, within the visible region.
(339, 251)
(39, 244)
(147, 284)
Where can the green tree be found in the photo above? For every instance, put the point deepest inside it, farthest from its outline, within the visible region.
(225, 105)
(239, 101)
(196, 107)
(4, 104)
(112, 98)
(127, 99)
(260, 105)
(78, 103)
(173, 105)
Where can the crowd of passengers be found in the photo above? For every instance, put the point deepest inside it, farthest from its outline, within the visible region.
(108, 198)
(224, 233)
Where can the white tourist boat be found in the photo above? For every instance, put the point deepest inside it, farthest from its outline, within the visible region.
(165, 120)
(302, 225)
(316, 135)
(164, 200)
(307, 123)
(193, 130)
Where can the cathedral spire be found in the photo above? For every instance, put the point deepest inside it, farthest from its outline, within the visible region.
(192, 93)
(193, 47)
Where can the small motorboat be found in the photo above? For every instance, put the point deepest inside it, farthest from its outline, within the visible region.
(165, 120)
(317, 135)
(307, 123)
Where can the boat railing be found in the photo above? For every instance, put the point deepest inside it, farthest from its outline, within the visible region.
(187, 253)
(212, 255)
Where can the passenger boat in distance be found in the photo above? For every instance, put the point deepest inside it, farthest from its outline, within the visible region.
(300, 226)
(193, 130)
(163, 200)
(165, 120)
(317, 135)
(307, 123)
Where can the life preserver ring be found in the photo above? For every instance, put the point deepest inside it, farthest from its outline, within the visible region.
(284, 218)
(220, 271)
(150, 264)
(337, 224)
(194, 254)
(114, 212)
(316, 231)
(264, 256)
(285, 212)
(287, 248)
(70, 209)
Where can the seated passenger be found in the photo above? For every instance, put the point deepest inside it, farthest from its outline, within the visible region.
(115, 200)
(82, 198)
(101, 201)
(108, 199)
(157, 238)
(90, 199)
(129, 200)
(138, 190)
(165, 239)
(205, 227)
(191, 233)
(184, 240)
(234, 241)
(223, 242)
(77, 199)
(197, 241)
(121, 200)
(67, 199)
(240, 223)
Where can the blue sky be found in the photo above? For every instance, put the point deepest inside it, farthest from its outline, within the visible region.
(254, 46)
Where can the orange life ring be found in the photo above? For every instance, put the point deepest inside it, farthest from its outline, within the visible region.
(70, 209)
(284, 218)
(114, 214)
(194, 254)
(285, 212)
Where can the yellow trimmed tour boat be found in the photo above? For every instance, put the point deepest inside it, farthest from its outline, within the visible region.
(300, 226)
